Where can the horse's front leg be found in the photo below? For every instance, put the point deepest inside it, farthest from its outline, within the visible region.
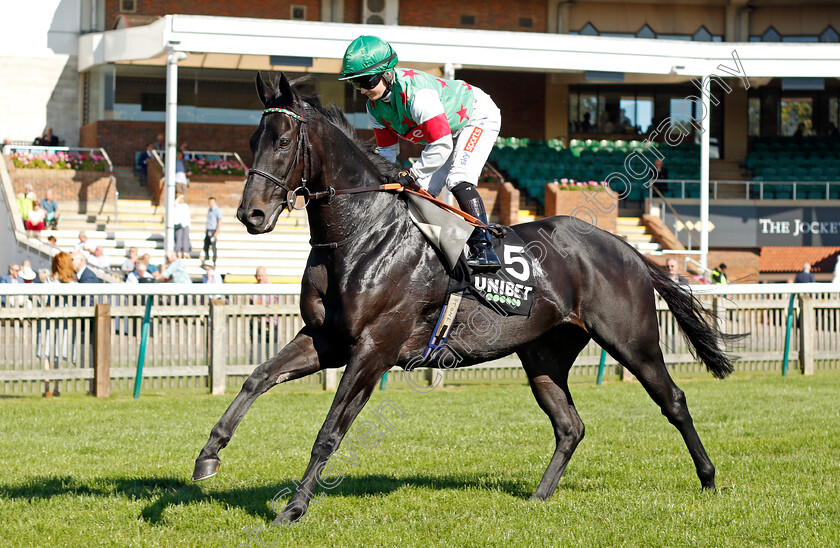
(304, 355)
(364, 370)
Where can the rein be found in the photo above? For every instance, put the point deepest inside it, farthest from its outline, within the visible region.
(304, 151)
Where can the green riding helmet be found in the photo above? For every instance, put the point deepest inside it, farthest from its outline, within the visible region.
(367, 55)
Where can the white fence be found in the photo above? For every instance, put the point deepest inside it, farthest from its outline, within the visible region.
(87, 337)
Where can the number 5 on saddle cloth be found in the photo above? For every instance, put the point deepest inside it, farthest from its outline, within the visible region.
(509, 291)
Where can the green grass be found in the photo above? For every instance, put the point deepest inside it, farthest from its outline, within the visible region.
(457, 469)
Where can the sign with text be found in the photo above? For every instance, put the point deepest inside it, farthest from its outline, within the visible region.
(758, 226)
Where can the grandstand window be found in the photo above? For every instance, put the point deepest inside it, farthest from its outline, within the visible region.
(702, 35)
(638, 112)
(683, 111)
(800, 39)
(526, 22)
(829, 35)
(795, 111)
(754, 117)
(589, 30)
(645, 32)
(685, 37)
(579, 105)
(834, 111)
(467, 19)
(298, 13)
(771, 35)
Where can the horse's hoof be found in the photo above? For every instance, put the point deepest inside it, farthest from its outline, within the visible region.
(292, 513)
(206, 468)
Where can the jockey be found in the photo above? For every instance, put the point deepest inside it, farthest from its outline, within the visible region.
(457, 122)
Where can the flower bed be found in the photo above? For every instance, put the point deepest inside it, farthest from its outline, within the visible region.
(59, 160)
(214, 167)
(571, 184)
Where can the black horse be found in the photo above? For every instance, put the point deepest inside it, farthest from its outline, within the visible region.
(373, 289)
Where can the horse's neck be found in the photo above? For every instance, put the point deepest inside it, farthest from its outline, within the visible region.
(346, 214)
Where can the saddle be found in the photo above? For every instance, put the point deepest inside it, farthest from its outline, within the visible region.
(508, 291)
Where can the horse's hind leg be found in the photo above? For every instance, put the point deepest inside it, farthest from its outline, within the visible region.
(297, 359)
(547, 364)
(640, 354)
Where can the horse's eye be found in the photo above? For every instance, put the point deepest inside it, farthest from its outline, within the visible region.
(283, 142)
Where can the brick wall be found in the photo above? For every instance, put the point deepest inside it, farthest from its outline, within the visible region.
(226, 190)
(89, 189)
(602, 208)
(520, 96)
(264, 9)
(501, 202)
(489, 15)
(122, 139)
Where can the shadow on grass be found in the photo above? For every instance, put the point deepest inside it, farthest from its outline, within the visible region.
(161, 493)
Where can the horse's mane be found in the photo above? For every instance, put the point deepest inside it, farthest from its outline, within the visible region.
(336, 117)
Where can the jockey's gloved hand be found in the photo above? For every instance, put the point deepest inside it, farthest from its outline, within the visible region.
(405, 178)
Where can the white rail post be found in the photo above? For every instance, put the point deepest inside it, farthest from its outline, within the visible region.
(218, 346)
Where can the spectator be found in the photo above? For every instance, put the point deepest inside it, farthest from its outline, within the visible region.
(181, 180)
(52, 241)
(62, 268)
(805, 277)
(181, 220)
(149, 266)
(211, 229)
(674, 273)
(43, 276)
(47, 139)
(185, 149)
(800, 131)
(661, 175)
(11, 278)
(174, 271)
(140, 274)
(210, 275)
(141, 160)
(100, 258)
(24, 206)
(586, 125)
(719, 275)
(29, 192)
(128, 265)
(36, 220)
(266, 326)
(160, 143)
(83, 274)
(84, 245)
(51, 208)
(26, 273)
(832, 130)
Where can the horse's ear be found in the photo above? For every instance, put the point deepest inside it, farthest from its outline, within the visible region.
(284, 90)
(264, 91)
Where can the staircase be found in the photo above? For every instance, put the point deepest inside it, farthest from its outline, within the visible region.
(527, 208)
(727, 170)
(636, 234)
(283, 251)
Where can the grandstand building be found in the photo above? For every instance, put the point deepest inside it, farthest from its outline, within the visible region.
(581, 85)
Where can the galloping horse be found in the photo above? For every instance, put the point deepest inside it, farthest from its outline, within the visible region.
(373, 289)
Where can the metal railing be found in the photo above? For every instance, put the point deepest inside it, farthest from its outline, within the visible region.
(7, 149)
(191, 155)
(753, 190)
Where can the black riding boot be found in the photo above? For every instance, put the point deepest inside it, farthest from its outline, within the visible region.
(481, 258)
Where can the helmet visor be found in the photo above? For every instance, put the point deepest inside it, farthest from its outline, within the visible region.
(366, 82)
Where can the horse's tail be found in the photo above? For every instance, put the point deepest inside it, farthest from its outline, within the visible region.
(698, 324)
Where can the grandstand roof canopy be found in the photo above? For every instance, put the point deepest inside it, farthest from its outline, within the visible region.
(250, 44)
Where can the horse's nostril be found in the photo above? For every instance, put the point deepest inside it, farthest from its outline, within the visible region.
(256, 216)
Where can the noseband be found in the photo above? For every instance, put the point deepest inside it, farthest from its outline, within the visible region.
(304, 151)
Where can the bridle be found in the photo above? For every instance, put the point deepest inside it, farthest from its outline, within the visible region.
(304, 151)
